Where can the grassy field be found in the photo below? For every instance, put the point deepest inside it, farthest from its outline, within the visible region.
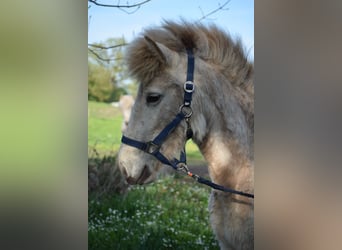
(171, 213)
(104, 127)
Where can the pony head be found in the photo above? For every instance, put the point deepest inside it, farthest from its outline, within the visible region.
(158, 60)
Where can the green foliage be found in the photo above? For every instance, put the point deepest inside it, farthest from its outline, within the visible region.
(100, 85)
(116, 93)
(107, 74)
(170, 213)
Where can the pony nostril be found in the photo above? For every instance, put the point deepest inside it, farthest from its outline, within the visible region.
(141, 179)
(144, 175)
(131, 181)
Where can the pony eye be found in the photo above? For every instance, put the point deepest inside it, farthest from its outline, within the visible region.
(153, 98)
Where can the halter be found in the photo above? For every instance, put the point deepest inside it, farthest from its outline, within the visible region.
(185, 112)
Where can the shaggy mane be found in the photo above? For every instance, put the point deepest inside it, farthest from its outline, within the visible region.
(208, 43)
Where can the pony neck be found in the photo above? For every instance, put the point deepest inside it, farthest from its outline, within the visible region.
(227, 162)
(224, 137)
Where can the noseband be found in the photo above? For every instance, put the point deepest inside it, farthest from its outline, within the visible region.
(185, 112)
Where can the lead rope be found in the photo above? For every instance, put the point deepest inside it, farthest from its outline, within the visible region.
(183, 167)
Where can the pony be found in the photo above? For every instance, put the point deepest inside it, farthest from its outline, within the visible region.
(222, 118)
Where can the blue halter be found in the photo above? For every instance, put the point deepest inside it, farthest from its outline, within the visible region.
(185, 112)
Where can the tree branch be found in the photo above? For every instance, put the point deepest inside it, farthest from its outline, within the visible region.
(119, 5)
(107, 60)
(99, 57)
(221, 7)
(106, 47)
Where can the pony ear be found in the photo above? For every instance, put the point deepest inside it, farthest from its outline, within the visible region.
(163, 53)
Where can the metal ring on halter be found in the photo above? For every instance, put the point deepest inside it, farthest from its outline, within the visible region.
(186, 110)
(181, 166)
(189, 86)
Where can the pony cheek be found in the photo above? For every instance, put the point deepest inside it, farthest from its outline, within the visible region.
(172, 148)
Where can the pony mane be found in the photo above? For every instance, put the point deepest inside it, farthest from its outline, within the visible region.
(209, 43)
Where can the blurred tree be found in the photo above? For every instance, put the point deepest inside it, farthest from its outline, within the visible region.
(100, 87)
(107, 74)
(109, 54)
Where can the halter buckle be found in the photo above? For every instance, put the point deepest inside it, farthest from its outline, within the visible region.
(152, 148)
(189, 86)
(186, 110)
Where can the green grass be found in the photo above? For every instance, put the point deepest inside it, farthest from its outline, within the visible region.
(168, 214)
(104, 131)
(104, 127)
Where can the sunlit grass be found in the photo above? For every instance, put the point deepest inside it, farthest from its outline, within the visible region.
(104, 127)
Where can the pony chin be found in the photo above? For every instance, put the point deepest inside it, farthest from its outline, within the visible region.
(150, 179)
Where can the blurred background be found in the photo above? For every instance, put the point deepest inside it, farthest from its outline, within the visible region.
(111, 92)
(44, 60)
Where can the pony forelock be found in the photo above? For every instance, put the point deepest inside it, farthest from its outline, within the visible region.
(208, 42)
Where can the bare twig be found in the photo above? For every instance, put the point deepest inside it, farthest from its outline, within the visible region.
(99, 48)
(119, 5)
(106, 47)
(130, 12)
(99, 57)
(107, 60)
(221, 7)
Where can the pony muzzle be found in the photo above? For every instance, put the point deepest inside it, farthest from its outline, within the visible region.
(142, 179)
(133, 169)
